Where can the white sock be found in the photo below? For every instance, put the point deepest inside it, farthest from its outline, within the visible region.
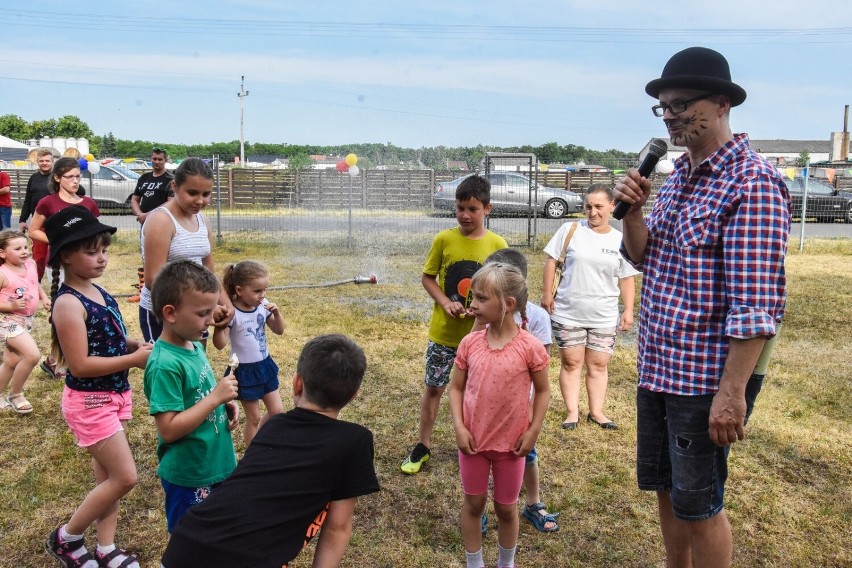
(474, 559)
(506, 557)
(64, 536)
(105, 548)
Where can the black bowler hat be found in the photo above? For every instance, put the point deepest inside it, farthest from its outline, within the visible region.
(698, 68)
(72, 224)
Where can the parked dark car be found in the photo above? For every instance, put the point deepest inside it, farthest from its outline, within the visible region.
(825, 203)
(510, 195)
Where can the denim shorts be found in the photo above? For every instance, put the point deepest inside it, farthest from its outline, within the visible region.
(439, 364)
(674, 451)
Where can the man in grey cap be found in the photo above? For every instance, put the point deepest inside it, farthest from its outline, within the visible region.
(711, 252)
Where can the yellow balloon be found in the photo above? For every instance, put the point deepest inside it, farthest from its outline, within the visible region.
(90, 158)
(351, 160)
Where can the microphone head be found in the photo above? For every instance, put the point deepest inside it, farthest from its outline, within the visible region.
(658, 148)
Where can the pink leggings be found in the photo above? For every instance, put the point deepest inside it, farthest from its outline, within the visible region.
(508, 471)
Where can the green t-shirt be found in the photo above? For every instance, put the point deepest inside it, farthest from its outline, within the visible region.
(176, 379)
(454, 258)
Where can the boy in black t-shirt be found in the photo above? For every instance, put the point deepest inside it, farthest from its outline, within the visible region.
(300, 477)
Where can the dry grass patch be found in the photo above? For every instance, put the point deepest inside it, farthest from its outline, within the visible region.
(788, 497)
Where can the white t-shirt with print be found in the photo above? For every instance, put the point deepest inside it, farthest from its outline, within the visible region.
(588, 294)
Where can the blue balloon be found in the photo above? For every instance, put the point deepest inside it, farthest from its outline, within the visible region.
(84, 165)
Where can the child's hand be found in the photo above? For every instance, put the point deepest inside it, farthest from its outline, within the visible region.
(226, 389)
(233, 411)
(139, 356)
(465, 442)
(271, 307)
(525, 443)
(18, 304)
(454, 309)
(222, 315)
(46, 303)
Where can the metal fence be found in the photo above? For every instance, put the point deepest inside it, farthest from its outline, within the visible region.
(380, 204)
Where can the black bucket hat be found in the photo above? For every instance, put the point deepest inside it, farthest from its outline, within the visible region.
(698, 68)
(72, 224)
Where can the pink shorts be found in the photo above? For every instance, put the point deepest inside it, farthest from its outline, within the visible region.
(507, 468)
(95, 416)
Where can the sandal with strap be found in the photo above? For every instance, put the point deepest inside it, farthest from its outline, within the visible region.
(106, 560)
(19, 403)
(534, 515)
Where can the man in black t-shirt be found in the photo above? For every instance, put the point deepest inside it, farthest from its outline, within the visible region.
(153, 188)
(300, 477)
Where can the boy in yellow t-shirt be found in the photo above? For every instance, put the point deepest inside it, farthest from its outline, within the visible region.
(455, 256)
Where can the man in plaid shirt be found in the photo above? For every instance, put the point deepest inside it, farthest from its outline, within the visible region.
(711, 253)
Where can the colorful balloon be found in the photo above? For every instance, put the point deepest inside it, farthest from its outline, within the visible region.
(354, 171)
(90, 158)
(84, 165)
(351, 160)
(94, 168)
(341, 166)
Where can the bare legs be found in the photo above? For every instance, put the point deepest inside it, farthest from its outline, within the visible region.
(694, 544)
(597, 377)
(115, 474)
(272, 401)
(430, 402)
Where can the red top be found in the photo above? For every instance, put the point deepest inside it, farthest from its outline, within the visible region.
(53, 204)
(5, 198)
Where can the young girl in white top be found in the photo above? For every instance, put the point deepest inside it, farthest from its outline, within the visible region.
(179, 230)
(19, 297)
(88, 335)
(489, 397)
(257, 374)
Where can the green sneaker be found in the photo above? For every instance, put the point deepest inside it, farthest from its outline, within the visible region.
(418, 456)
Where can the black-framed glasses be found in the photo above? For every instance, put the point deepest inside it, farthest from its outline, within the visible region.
(677, 107)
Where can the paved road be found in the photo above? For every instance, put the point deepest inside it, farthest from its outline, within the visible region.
(413, 224)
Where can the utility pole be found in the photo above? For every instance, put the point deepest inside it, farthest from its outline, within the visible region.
(242, 94)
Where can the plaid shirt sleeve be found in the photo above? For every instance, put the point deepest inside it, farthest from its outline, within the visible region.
(754, 243)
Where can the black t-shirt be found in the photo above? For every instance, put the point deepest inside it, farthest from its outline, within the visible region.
(153, 190)
(275, 500)
(37, 187)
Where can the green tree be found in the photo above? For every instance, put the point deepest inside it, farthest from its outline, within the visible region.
(803, 159)
(42, 128)
(14, 127)
(71, 126)
(299, 162)
(108, 146)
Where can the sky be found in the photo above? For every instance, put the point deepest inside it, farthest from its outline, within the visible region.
(416, 73)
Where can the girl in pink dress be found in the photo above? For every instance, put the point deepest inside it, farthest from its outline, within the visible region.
(19, 297)
(489, 397)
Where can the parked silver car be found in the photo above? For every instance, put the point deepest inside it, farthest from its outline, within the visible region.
(111, 187)
(510, 195)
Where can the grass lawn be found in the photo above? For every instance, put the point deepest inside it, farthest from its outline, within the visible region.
(789, 495)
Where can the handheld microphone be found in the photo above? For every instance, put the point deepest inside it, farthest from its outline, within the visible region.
(656, 150)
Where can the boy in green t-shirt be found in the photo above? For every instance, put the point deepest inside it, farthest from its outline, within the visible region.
(194, 445)
(455, 256)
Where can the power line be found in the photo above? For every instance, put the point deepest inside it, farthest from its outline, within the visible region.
(406, 31)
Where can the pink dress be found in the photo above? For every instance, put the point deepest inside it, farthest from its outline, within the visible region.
(496, 396)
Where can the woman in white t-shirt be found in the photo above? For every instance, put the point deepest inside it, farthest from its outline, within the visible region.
(584, 315)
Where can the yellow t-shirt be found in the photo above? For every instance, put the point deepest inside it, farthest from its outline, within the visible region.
(453, 259)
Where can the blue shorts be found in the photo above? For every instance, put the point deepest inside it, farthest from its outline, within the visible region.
(674, 451)
(439, 364)
(257, 379)
(180, 499)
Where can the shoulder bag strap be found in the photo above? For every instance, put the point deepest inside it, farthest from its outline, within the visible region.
(561, 261)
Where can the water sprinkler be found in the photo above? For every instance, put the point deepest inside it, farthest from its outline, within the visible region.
(371, 279)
